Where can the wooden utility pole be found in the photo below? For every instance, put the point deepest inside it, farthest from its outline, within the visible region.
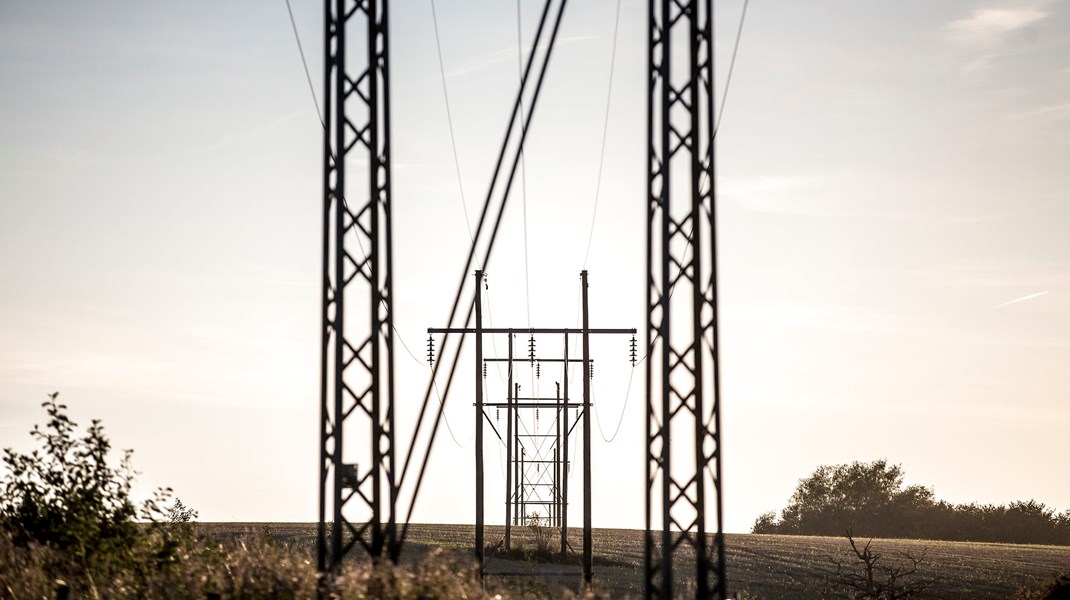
(509, 448)
(480, 546)
(564, 459)
(587, 557)
(558, 472)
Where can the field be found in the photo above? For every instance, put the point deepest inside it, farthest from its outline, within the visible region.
(768, 567)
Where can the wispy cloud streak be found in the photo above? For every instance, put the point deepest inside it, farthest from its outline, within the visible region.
(1022, 299)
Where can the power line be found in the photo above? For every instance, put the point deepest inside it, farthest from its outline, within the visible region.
(315, 102)
(716, 128)
(493, 342)
(623, 409)
(449, 121)
(605, 125)
(494, 229)
(523, 166)
(605, 132)
(421, 363)
(304, 63)
(731, 67)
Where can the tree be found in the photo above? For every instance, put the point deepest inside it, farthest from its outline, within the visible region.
(870, 498)
(869, 576)
(765, 523)
(866, 497)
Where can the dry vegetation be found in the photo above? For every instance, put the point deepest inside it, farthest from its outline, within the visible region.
(66, 513)
(258, 560)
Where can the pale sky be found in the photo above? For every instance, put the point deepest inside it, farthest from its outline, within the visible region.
(892, 211)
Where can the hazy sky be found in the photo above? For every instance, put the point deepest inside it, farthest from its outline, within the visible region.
(893, 215)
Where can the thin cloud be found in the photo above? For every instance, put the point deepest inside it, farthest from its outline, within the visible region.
(986, 30)
(1022, 299)
(843, 194)
(988, 27)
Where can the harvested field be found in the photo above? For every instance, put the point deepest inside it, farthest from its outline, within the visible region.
(769, 567)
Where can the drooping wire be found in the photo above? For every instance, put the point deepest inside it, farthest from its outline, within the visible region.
(304, 63)
(472, 253)
(623, 409)
(605, 133)
(494, 232)
(731, 67)
(473, 249)
(705, 173)
(490, 321)
(523, 165)
(449, 122)
(605, 126)
(319, 114)
(438, 393)
(524, 176)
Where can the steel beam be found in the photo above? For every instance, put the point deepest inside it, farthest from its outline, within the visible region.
(683, 459)
(532, 331)
(547, 360)
(357, 488)
(519, 405)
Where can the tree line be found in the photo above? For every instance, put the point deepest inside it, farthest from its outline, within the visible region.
(870, 500)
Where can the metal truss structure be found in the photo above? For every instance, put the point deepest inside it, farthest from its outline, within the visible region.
(357, 485)
(520, 485)
(515, 488)
(683, 400)
(358, 489)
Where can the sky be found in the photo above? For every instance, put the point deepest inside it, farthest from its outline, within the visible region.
(892, 209)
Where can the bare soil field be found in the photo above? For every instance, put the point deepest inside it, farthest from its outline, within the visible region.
(767, 567)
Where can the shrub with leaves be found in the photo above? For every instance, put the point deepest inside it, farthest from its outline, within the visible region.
(65, 494)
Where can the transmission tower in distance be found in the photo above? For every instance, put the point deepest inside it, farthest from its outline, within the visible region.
(514, 404)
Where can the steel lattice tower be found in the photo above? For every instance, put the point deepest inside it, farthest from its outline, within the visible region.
(357, 485)
(683, 400)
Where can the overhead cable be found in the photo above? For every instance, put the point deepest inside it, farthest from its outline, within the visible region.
(494, 230)
(605, 133)
(449, 121)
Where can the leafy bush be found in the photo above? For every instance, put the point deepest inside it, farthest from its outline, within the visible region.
(65, 495)
(67, 513)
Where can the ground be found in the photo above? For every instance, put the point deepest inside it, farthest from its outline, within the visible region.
(768, 567)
